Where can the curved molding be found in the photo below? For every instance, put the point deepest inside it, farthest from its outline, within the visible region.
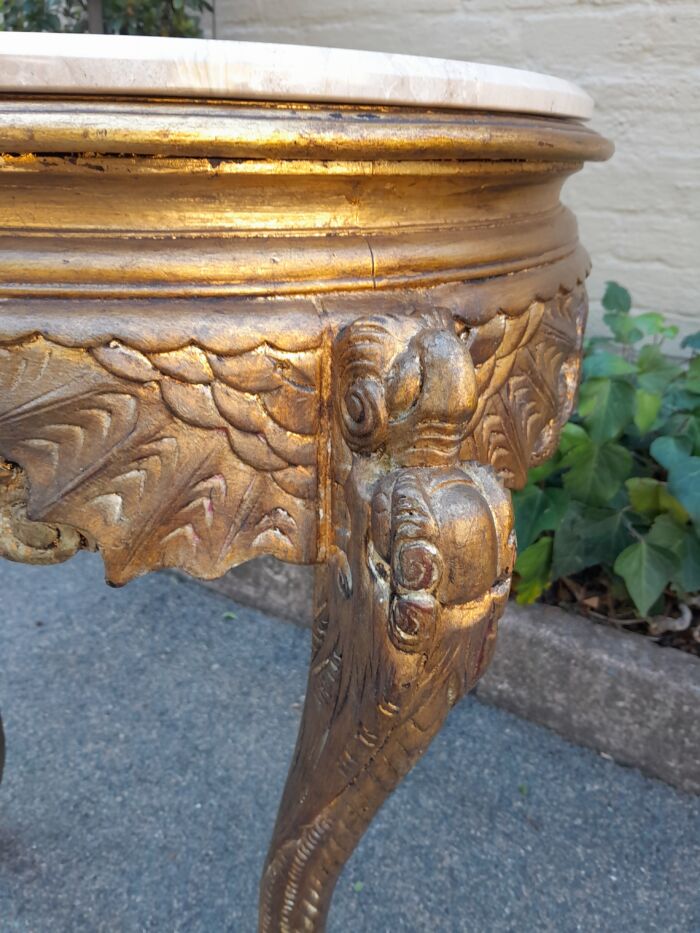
(240, 130)
(397, 198)
(288, 321)
(105, 229)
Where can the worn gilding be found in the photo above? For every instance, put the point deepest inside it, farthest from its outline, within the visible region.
(333, 335)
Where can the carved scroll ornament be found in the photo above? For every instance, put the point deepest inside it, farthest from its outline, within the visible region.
(23, 540)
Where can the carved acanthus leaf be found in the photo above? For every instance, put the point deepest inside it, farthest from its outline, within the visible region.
(527, 371)
(170, 459)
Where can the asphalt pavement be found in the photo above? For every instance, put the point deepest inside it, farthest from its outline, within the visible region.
(149, 731)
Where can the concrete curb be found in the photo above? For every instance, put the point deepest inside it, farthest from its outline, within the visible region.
(616, 692)
(613, 691)
(283, 590)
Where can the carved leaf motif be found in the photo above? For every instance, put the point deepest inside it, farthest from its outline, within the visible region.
(527, 372)
(266, 399)
(139, 453)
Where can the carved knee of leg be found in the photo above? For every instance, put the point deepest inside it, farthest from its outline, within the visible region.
(441, 552)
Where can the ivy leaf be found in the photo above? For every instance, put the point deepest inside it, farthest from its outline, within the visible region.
(673, 453)
(616, 298)
(692, 341)
(644, 494)
(670, 451)
(654, 324)
(689, 576)
(623, 327)
(651, 497)
(666, 533)
(605, 364)
(678, 401)
(646, 569)
(596, 471)
(571, 436)
(686, 426)
(607, 407)
(528, 505)
(692, 380)
(542, 472)
(656, 371)
(671, 505)
(599, 342)
(588, 536)
(647, 406)
(684, 484)
(537, 510)
(683, 542)
(532, 567)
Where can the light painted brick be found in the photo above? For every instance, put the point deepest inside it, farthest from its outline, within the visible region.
(639, 215)
(629, 36)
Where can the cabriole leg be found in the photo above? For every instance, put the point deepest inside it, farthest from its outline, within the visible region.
(408, 627)
(417, 576)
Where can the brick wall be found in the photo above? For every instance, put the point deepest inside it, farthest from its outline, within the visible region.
(639, 214)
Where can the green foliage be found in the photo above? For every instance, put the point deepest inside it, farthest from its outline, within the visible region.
(121, 17)
(622, 494)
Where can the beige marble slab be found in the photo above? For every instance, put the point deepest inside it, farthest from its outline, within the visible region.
(88, 64)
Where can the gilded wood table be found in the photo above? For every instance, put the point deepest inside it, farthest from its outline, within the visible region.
(320, 305)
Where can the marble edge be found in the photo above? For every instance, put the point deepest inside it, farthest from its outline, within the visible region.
(131, 65)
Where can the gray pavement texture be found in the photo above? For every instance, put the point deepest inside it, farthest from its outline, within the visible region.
(148, 739)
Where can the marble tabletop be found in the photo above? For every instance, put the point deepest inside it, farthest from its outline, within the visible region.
(135, 65)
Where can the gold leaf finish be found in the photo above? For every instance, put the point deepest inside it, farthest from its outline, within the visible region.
(417, 576)
(23, 540)
(337, 336)
(527, 376)
(157, 470)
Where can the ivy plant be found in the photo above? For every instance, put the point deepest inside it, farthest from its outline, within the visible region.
(620, 500)
(121, 17)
